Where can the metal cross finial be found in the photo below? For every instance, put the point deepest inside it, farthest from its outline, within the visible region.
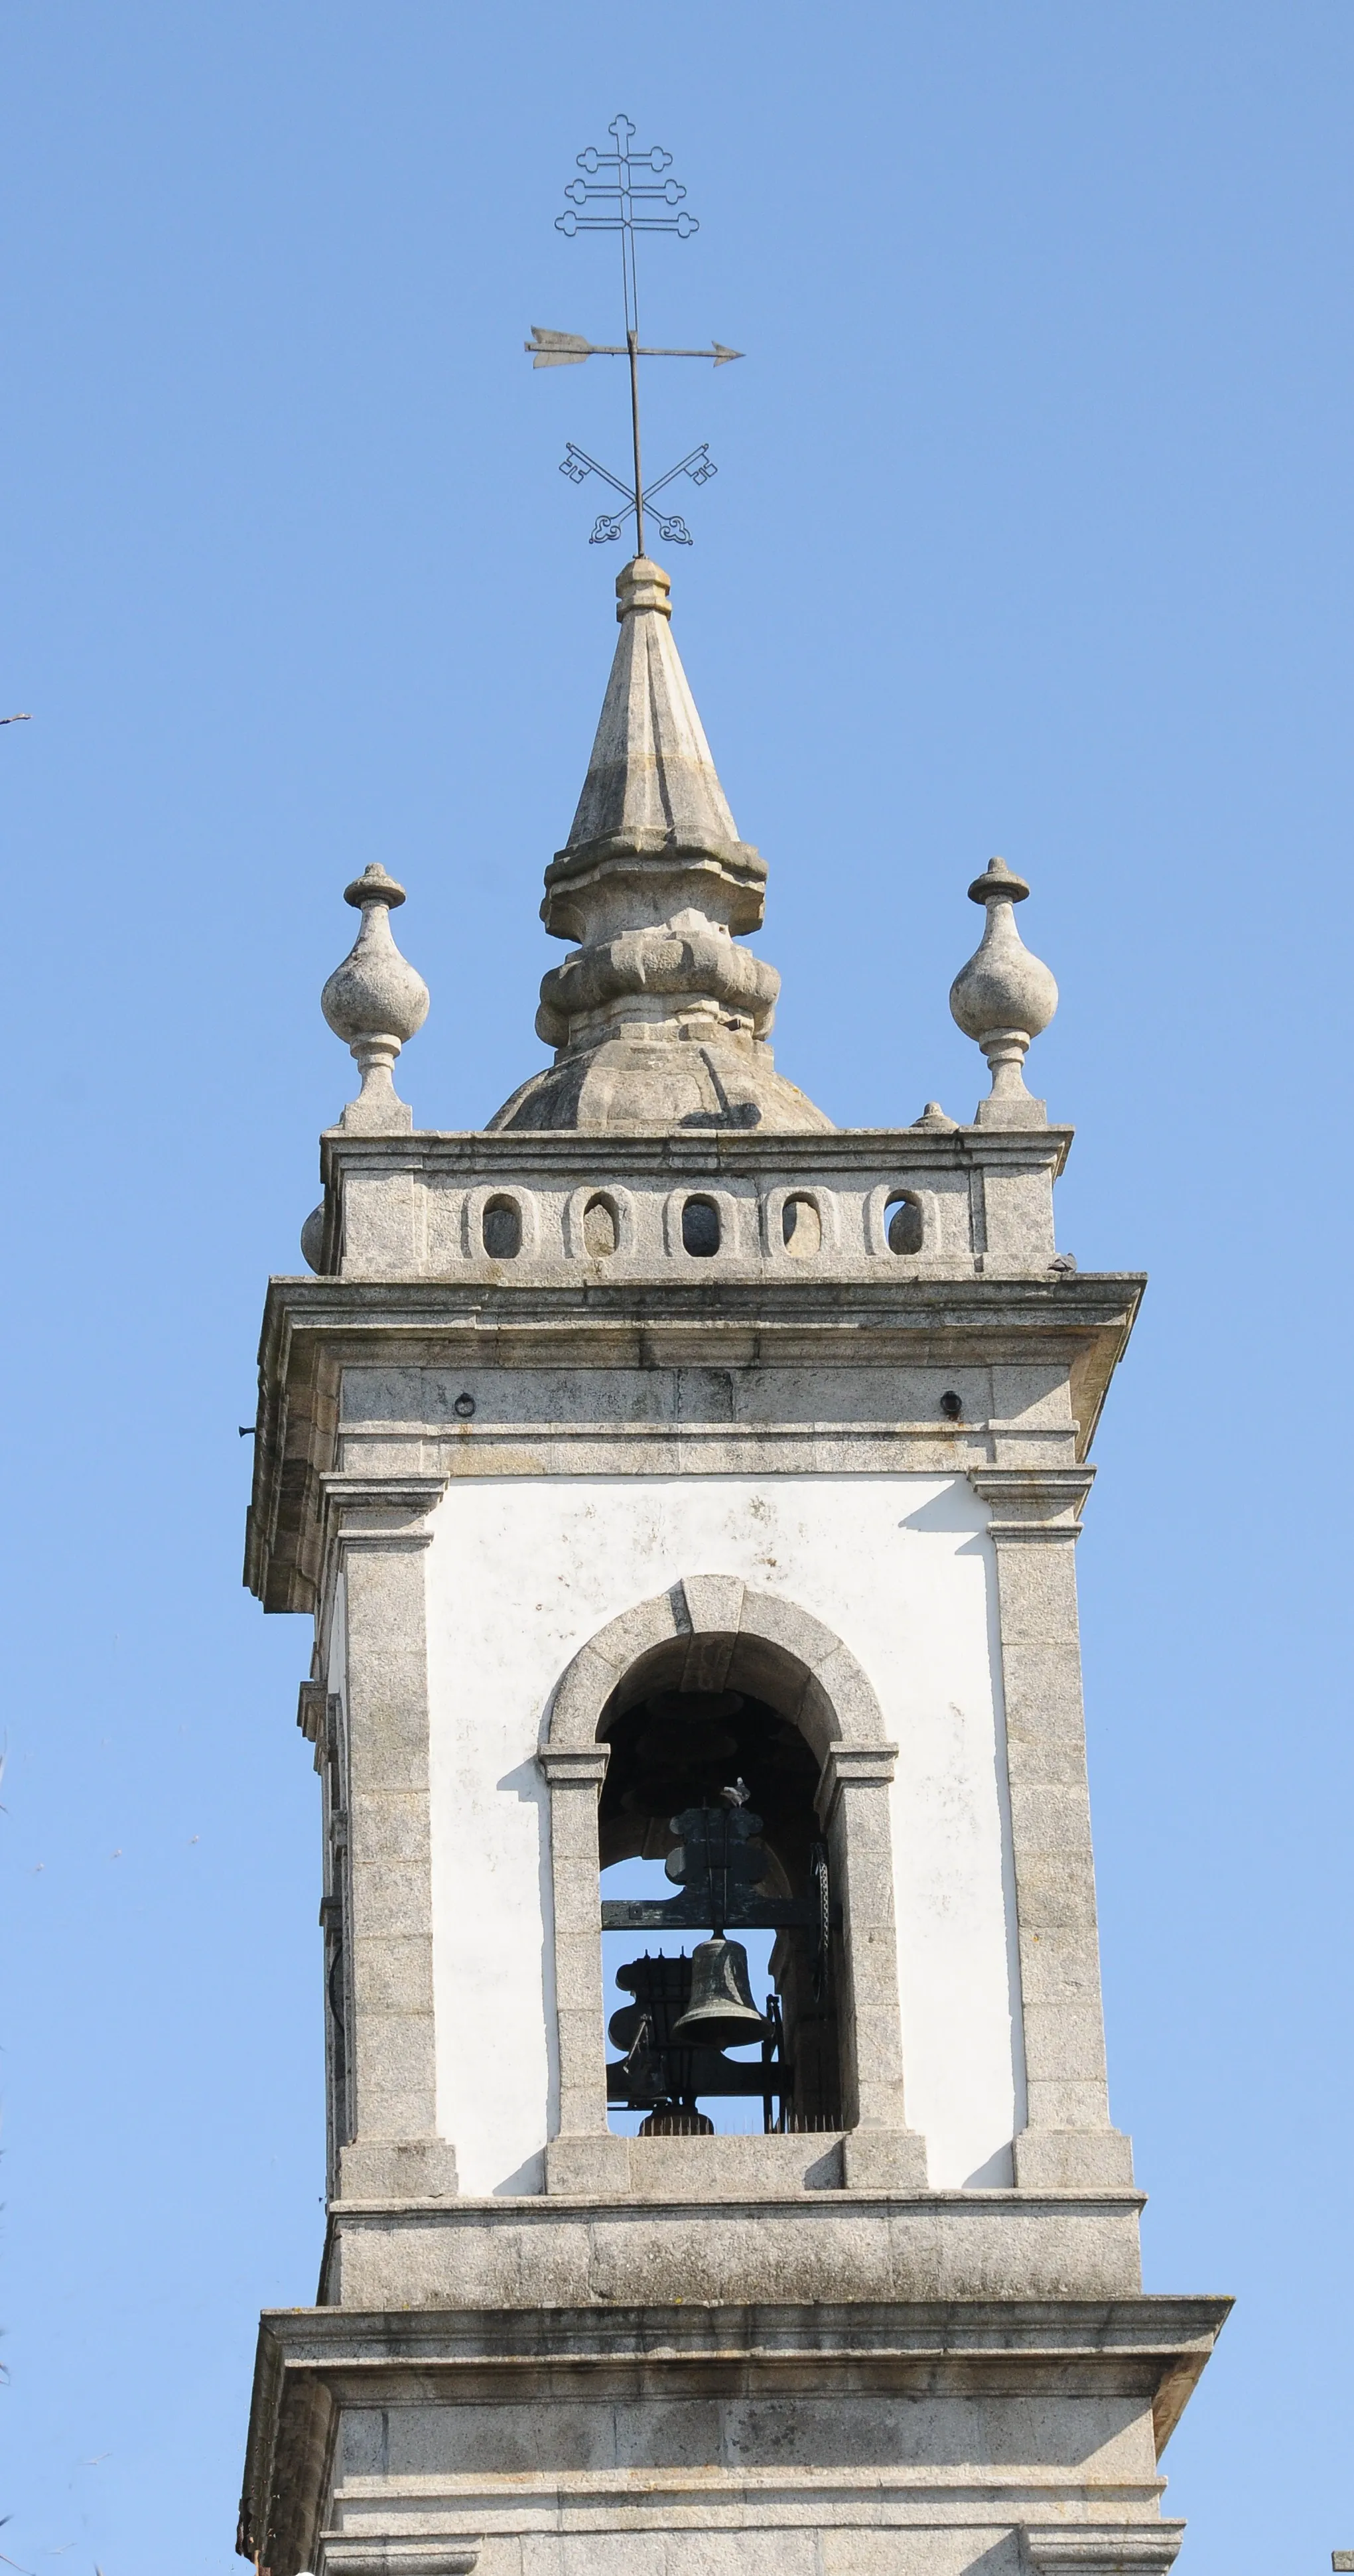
(612, 199)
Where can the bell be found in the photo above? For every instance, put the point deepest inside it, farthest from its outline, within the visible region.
(721, 2013)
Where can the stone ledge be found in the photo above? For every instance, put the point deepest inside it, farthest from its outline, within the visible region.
(927, 2197)
(1136, 2549)
(341, 2555)
(1167, 2332)
(494, 1153)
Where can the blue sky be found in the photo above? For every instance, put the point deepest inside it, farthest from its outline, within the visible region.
(1031, 533)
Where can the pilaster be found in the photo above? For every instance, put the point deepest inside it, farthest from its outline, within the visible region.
(1069, 2140)
(583, 2155)
(878, 2150)
(378, 1532)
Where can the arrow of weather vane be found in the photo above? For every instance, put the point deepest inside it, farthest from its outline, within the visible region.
(626, 205)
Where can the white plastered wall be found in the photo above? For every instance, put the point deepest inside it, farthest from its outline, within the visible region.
(522, 1572)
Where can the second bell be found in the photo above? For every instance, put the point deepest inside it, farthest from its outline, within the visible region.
(721, 2013)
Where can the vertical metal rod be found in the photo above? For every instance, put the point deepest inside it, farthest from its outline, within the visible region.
(631, 276)
(632, 338)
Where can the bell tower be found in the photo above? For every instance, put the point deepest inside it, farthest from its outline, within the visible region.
(685, 1494)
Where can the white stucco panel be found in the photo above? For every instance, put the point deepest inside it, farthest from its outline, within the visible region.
(523, 1571)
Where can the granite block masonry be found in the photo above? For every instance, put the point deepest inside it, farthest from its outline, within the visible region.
(658, 1446)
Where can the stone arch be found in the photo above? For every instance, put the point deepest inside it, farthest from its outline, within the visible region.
(707, 1632)
(718, 1631)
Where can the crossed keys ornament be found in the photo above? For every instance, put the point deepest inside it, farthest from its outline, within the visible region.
(612, 199)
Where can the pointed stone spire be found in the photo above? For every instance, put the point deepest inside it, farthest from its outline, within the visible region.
(652, 788)
(375, 1001)
(658, 1018)
(1003, 998)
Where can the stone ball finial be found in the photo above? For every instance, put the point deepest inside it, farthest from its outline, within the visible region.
(375, 1001)
(1003, 998)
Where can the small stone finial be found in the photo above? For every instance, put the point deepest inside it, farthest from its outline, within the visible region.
(375, 1001)
(642, 583)
(1003, 998)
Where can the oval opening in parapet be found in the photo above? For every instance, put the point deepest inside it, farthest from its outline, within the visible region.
(904, 1227)
(801, 1227)
(601, 1229)
(501, 1229)
(700, 1228)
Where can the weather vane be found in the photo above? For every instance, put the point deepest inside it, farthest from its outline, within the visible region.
(613, 200)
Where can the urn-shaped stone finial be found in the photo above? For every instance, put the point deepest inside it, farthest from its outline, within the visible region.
(1003, 998)
(375, 1001)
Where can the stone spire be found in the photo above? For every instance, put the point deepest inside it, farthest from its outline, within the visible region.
(375, 1001)
(1003, 998)
(658, 1018)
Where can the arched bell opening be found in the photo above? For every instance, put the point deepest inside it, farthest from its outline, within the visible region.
(720, 1923)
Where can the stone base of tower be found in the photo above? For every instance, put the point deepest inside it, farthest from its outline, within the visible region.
(548, 2389)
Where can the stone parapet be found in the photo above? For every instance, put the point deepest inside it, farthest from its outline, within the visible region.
(892, 1202)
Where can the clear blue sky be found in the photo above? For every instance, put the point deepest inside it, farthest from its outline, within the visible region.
(1031, 533)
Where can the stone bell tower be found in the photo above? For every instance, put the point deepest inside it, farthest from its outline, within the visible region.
(678, 1482)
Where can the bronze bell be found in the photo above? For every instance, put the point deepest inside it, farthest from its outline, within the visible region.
(721, 2013)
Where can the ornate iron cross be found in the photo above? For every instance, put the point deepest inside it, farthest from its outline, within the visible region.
(612, 199)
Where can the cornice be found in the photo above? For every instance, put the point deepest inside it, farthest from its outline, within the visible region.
(574, 1766)
(400, 1496)
(1156, 2346)
(1133, 2549)
(1035, 1503)
(575, 1153)
(1067, 1302)
(314, 1328)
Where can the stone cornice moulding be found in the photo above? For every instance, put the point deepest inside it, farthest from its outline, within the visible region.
(391, 1509)
(1169, 2331)
(573, 1766)
(315, 1327)
(849, 1766)
(761, 1299)
(499, 1151)
(356, 2555)
(1033, 1505)
(1136, 2549)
